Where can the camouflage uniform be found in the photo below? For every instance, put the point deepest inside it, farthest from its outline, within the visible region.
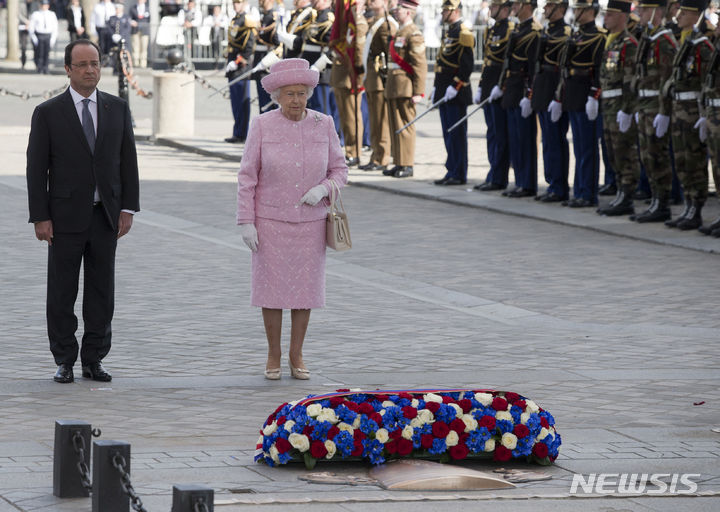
(711, 111)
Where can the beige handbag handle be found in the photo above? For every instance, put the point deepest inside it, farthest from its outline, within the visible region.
(335, 206)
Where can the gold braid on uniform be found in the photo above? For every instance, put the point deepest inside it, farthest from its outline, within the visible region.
(580, 45)
(557, 44)
(523, 42)
(499, 56)
(306, 23)
(319, 30)
(239, 36)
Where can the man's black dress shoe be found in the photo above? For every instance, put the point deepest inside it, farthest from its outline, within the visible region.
(609, 189)
(488, 186)
(370, 166)
(391, 171)
(579, 203)
(454, 181)
(352, 162)
(234, 140)
(64, 374)
(520, 192)
(550, 198)
(441, 181)
(95, 371)
(404, 172)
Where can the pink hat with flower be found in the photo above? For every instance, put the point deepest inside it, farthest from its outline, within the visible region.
(290, 72)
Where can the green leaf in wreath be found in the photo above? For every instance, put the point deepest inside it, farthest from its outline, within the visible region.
(310, 461)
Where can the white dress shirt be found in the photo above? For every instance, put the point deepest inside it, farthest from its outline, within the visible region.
(43, 22)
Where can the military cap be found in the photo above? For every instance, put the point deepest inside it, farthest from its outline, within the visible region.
(693, 5)
(618, 5)
(408, 4)
(531, 2)
(558, 2)
(584, 4)
(451, 5)
(502, 2)
(655, 3)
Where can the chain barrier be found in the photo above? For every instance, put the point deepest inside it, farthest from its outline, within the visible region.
(79, 445)
(201, 506)
(24, 95)
(118, 461)
(127, 70)
(204, 83)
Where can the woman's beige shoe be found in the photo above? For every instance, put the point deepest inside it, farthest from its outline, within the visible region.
(299, 373)
(273, 374)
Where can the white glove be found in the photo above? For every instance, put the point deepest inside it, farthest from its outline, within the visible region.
(525, 107)
(624, 121)
(34, 39)
(314, 195)
(637, 118)
(661, 123)
(431, 98)
(231, 66)
(496, 93)
(591, 108)
(320, 64)
(555, 109)
(478, 95)
(701, 127)
(267, 61)
(249, 236)
(286, 39)
(116, 38)
(450, 93)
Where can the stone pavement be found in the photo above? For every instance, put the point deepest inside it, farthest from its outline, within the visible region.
(615, 335)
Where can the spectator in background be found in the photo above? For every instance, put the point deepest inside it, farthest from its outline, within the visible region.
(23, 25)
(190, 19)
(76, 21)
(43, 30)
(218, 23)
(98, 26)
(140, 33)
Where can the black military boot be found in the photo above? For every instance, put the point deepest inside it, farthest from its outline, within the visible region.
(618, 197)
(622, 205)
(607, 190)
(659, 210)
(707, 230)
(672, 223)
(693, 219)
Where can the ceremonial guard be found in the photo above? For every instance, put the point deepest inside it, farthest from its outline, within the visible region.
(452, 84)
(670, 21)
(292, 35)
(495, 47)
(618, 106)
(653, 67)
(515, 89)
(241, 45)
(711, 120)
(376, 57)
(689, 68)
(267, 41)
(556, 150)
(317, 52)
(579, 94)
(346, 79)
(405, 87)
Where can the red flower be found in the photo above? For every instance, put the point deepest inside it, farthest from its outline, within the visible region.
(358, 435)
(317, 449)
(353, 406)
(377, 418)
(501, 453)
(426, 441)
(432, 406)
(409, 412)
(448, 399)
(270, 419)
(382, 398)
(406, 396)
(334, 430)
(511, 397)
(521, 403)
(365, 408)
(440, 429)
(281, 420)
(308, 430)
(466, 405)
(544, 422)
(459, 451)
(358, 449)
(540, 450)
(457, 425)
(464, 437)
(396, 434)
(487, 421)
(342, 390)
(521, 431)
(283, 445)
(336, 401)
(499, 404)
(391, 446)
(405, 447)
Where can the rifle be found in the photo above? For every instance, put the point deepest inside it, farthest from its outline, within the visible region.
(678, 74)
(641, 63)
(417, 118)
(567, 50)
(383, 72)
(542, 45)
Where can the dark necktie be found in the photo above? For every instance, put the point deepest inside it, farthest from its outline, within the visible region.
(87, 124)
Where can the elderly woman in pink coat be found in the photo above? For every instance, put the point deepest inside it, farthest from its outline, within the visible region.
(292, 154)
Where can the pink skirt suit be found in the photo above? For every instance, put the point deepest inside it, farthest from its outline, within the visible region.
(283, 159)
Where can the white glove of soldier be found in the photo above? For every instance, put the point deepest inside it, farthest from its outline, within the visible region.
(249, 236)
(314, 195)
(591, 108)
(267, 61)
(661, 123)
(701, 127)
(450, 93)
(285, 38)
(496, 93)
(624, 121)
(525, 107)
(555, 109)
(231, 66)
(320, 64)
(637, 118)
(478, 95)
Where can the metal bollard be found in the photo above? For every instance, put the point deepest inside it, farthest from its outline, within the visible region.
(107, 490)
(67, 476)
(192, 498)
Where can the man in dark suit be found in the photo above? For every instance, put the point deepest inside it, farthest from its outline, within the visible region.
(83, 190)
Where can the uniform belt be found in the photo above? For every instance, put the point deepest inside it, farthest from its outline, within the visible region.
(611, 93)
(312, 48)
(686, 96)
(648, 93)
(579, 72)
(712, 102)
(261, 48)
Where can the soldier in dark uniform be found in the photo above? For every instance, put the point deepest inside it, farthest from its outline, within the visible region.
(317, 53)
(711, 119)
(495, 45)
(452, 82)
(292, 35)
(241, 44)
(670, 20)
(579, 92)
(515, 89)
(556, 150)
(267, 41)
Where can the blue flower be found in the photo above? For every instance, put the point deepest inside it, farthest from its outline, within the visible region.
(320, 431)
(367, 425)
(548, 416)
(504, 426)
(345, 414)
(533, 423)
(446, 413)
(284, 457)
(438, 446)
(515, 412)
(373, 450)
(345, 443)
(477, 438)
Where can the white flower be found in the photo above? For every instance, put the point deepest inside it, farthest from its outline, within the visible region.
(490, 445)
(452, 439)
(531, 406)
(458, 409)
(425, 416)
(408, 432)
(382, 435)
(416, 422)
(543, 434)
(509, 440)
(524, 417)
(503, 415)
(415, 402)
(299, 442)
(432, 397)
(289, 424)
(470, 422)
(356, 422)
(344, 426)
(274, 454)
(327, 414)
(331, 449)
(484, 398)
(269, 429)
(388, 403)
(313, 410)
